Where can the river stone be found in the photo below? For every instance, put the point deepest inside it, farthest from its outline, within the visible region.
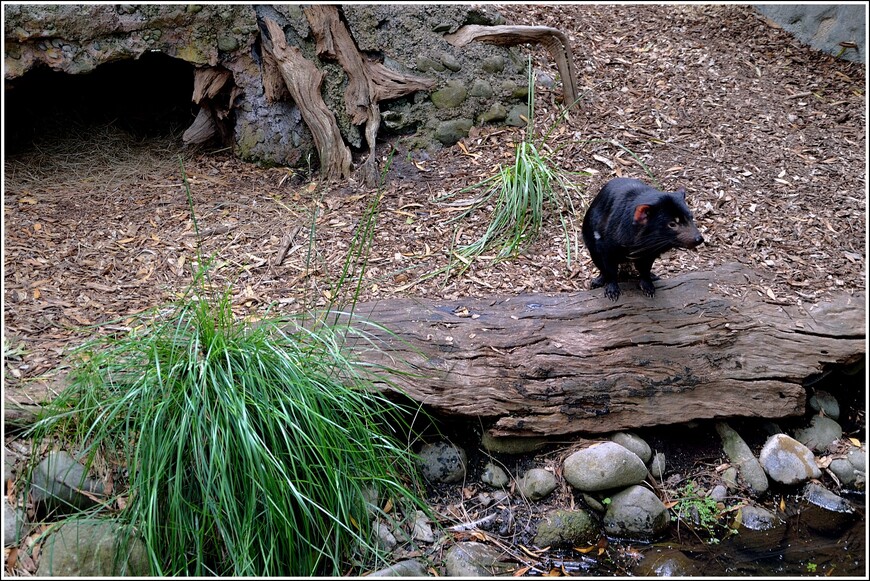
(851, 469)
(493, 64)
(844, 471)
(566, 527)
(92, 548)
(451, 62)
(821, 433)
(14, 525)
(471, 559)
(57, 481)
(636, 513)
(8, 469)
(760, 530)
(729, 477)
(536, 483)
(788, 461)
(657, 465)
(422, 529)
(719, 493)
(634, 443)
(822, 401)
(603, 466)
(494, 476)
(425, 64)
(495, 113)
(407, 568)
(449, 132)
(442, 462)
(517, 116)
(450, 96)
(480, 88)
(384, 537)
(665, 562)
(742, 457)
(825, 512)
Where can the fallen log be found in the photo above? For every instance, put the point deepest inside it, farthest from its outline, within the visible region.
(555, 364)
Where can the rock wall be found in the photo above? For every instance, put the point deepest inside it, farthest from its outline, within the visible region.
(477, 84)
(824, 26)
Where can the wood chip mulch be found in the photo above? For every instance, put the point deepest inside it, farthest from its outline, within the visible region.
(766, 135)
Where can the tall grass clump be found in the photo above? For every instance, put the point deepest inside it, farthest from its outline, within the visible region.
(521, 195)
(251, 449)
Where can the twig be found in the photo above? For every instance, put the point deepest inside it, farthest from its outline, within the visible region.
(285, 245)
(470, 526)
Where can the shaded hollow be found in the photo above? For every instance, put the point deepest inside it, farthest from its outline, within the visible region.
(146, 97)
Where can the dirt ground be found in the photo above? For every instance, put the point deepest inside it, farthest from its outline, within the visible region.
(767, 136)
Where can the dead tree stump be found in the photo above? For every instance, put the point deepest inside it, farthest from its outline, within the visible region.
(562, 364)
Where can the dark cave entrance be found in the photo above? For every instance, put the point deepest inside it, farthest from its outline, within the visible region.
(147, 97)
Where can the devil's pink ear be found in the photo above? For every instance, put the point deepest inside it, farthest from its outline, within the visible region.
(681, 192)
(641, 214)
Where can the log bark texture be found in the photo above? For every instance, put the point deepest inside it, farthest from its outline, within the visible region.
(303, 80)
(368, 82)
(562, 364)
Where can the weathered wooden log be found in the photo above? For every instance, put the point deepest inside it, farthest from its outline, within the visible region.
(554, 40)
(208, 82)
(303, 80)
(367, 82)
(578, 363)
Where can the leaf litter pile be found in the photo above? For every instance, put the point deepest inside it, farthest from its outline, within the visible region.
(766, 135)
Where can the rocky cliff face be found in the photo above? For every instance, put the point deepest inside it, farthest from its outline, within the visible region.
(475, 84)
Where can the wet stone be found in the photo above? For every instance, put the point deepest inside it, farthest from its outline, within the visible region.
(665, 562)
(471, 559)
(760, 530)
(788, 461)
(636, 513)
(566, 528)
(825, 512)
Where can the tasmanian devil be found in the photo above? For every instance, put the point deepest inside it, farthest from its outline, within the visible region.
(631, 221)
